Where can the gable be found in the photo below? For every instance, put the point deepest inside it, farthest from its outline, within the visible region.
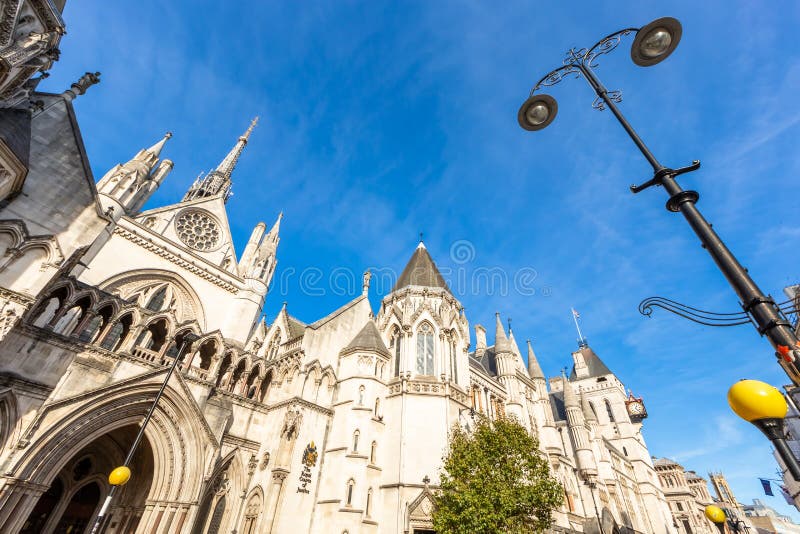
(199, 225)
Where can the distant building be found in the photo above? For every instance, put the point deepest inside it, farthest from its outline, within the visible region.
(792, 420)
(765, 519)
(687, 495)
(727, 501)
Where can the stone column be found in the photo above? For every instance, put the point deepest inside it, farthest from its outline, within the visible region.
(278, 476)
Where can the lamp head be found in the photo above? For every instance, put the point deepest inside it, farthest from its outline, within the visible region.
(753, 400)
(715, 514)
(119, 476)
(537, 112)
(656, 41)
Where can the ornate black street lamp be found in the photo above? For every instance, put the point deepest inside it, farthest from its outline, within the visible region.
(652, 44)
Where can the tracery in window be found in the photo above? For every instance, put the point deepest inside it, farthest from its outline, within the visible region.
(425, 350)
(397, 341)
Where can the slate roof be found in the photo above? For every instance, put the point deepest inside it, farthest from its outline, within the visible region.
(368, 339)
(593, 363)
(420, 271)
(666, 462)
(296, 327)
(487, 362)
(15, 130)
(557, 404)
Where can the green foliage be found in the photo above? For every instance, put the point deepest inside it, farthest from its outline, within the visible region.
(495, 480)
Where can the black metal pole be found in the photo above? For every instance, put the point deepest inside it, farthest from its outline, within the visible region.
(773, 429)
(132, 450)
(761, 307)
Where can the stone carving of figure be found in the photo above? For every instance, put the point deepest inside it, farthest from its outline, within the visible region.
(27, 49)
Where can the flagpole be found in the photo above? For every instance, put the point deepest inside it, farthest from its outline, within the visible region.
(577, 326)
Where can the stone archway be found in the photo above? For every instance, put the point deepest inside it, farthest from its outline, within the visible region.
(176, 437)
(72, 501)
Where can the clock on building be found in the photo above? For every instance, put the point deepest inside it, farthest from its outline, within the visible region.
(636, 409)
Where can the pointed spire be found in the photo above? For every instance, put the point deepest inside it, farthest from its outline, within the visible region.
(501, 343)
(226, 166)
(534, 369)
(156, 148)
(218, 181)
(276, 228)
(570, 399)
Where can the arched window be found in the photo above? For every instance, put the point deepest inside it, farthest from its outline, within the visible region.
(355, 440)
(350, 485)
(361, 395)
(274, 344)
(377, 407)
(624, 451)
(368, 507)
(156, 302)
(594, 410)
(425, 350)
(117, 333)
(453, 361)
(251, 514)
(373, 452)
(610, 412)
(397, 340)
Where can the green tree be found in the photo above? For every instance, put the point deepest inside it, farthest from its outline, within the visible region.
(495, 480)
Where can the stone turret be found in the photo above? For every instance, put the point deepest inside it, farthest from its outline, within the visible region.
(576, 422)
(126, 188)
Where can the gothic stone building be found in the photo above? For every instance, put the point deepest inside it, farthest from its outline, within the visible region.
(335, 426)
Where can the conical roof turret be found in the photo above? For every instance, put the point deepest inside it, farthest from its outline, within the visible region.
(534, 369)
(420, 271)
(156, 148)
(570, 399)
(501, 342)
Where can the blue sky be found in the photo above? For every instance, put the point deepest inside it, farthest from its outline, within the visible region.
(381, 120)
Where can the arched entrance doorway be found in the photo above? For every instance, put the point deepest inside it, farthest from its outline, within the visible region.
(75, 495)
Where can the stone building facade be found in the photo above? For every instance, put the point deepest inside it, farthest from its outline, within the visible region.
(333, 426)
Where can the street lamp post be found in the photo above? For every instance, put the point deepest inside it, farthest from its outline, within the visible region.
(765, 407)
(122, 474)
(652, 44)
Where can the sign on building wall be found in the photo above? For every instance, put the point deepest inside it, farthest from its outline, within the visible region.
(309, 460)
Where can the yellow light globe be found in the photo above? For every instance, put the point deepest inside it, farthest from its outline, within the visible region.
(753, 400)
(119, 476)
(715, 514)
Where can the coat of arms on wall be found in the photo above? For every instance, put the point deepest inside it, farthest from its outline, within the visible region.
(310, 455)
(309, 460)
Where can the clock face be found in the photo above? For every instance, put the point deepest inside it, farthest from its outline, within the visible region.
(636, 408)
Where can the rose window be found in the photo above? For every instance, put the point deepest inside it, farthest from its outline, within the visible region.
(198, 230)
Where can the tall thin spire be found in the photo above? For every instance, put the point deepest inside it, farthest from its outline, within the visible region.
(218, 181)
